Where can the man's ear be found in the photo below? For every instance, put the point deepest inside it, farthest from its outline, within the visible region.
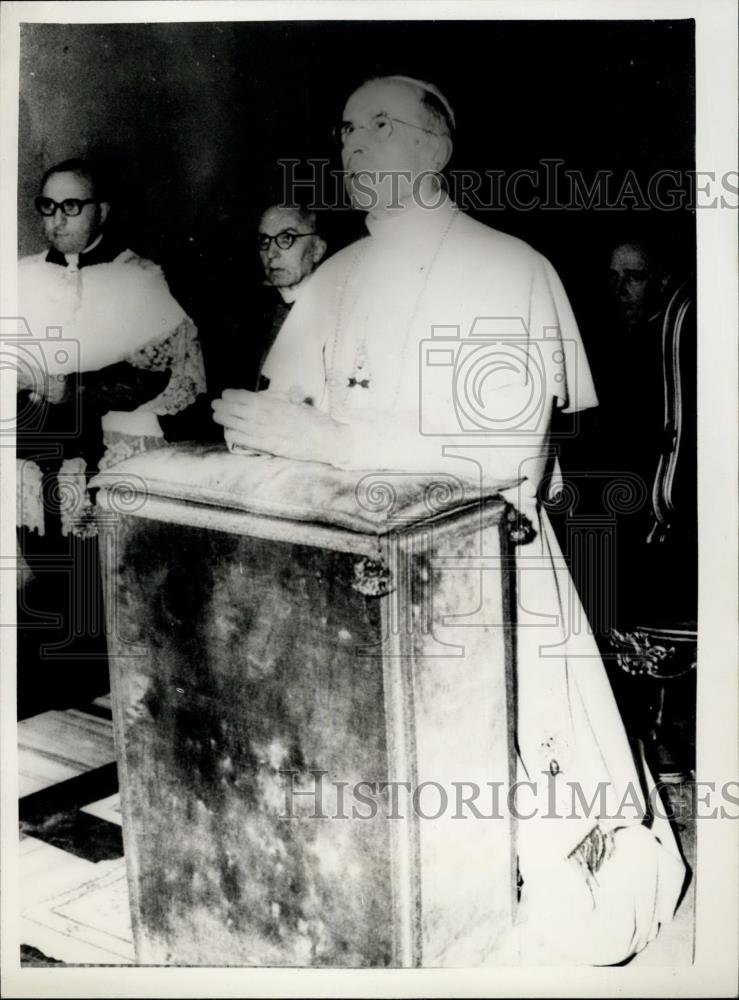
(104, 209)
(441, 151)
(319, 249)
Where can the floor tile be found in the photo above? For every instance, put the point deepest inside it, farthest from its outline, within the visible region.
(58, 745)
(108, 809)
(72, 910)
(78, 833)
(73, 887)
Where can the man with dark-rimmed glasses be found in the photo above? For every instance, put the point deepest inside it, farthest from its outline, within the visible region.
(133, 349)
(73, 212)
(290, 248)
(107, 351)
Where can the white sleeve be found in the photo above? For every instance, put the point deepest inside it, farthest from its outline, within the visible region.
(295, 364)
(553, 329)
(394, 442)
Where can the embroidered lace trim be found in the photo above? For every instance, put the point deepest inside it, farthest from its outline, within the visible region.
(29, 497)
(119, 446)
(75, 507)
(590, 854)
(181, 353)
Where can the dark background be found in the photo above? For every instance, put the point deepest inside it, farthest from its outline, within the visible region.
(191, 119)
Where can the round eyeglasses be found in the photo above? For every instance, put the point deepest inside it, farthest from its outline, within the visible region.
(69, 206)
(284, 240)
(380, 128)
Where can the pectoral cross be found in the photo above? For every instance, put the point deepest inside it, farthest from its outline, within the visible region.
(363, 382)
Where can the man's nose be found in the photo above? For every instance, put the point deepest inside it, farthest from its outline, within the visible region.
(355, 143)
(273, 251)
(59, 215)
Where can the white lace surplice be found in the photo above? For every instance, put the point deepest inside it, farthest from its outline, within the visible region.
(121, 310)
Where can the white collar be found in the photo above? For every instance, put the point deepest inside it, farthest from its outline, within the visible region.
(291, 293)
(412, 221)
(73, 259)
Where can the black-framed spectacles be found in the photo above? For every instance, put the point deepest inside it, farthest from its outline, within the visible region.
(69, 206)
(379, 129)
(284, 240)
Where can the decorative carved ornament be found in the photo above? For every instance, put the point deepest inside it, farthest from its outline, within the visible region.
(659, 653)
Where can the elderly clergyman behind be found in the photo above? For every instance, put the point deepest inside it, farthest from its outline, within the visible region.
(290, 248)
(351, 386)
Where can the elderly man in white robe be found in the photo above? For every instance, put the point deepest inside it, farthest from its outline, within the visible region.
(436, 330)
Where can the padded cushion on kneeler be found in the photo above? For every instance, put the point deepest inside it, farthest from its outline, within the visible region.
(300, 491)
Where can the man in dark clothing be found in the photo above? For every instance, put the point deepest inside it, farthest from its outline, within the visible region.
(646, 382)
(636, 475)
(290, 248)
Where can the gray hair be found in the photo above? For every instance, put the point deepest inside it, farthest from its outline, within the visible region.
(307, 217)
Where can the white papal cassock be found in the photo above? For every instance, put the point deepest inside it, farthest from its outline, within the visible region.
(435, 337)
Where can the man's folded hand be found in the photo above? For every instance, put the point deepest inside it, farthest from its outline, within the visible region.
(267, 421)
